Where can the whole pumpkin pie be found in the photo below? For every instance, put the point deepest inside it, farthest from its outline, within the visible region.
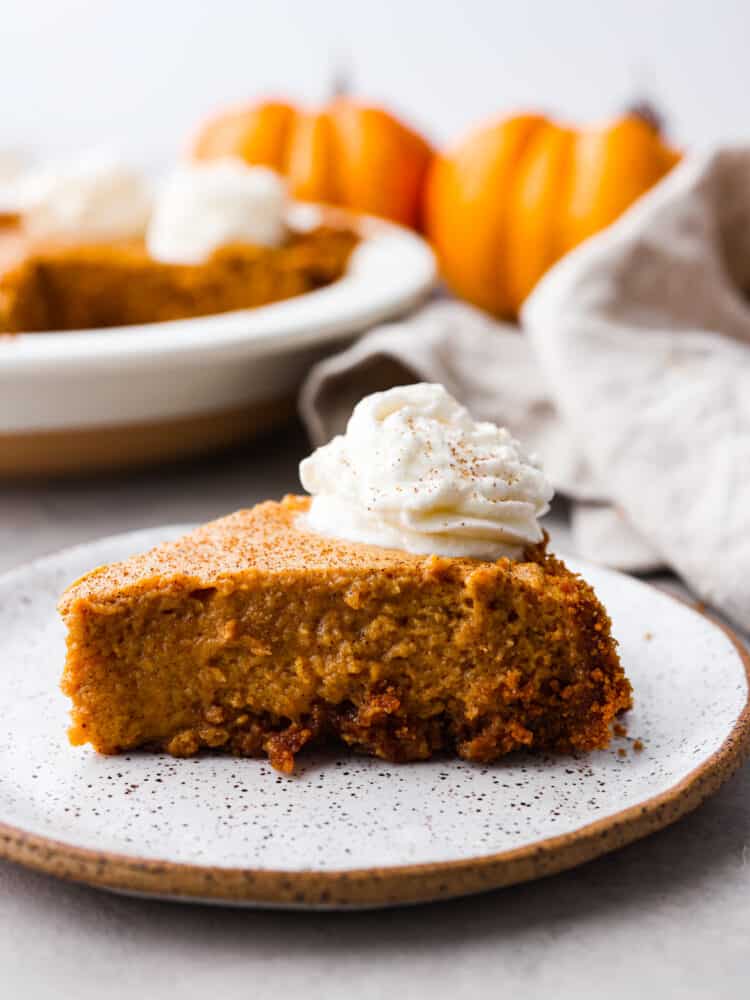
(215, 241)
(263, 632)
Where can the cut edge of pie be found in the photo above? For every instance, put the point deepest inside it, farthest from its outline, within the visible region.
(256, 636)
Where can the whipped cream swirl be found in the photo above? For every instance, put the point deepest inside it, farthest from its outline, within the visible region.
(414, 471)
(204, 206)
(95, 197)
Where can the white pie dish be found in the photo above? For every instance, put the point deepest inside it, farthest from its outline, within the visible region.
(78, 400)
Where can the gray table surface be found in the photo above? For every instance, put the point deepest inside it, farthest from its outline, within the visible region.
(669, 916)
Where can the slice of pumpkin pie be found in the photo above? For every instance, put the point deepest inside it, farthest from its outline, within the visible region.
(413, 610)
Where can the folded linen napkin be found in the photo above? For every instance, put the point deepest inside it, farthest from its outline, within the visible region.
(631, 381)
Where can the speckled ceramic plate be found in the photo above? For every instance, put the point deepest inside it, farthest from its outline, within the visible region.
(349, 831)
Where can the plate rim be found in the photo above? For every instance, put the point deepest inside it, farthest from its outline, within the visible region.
(391, 885)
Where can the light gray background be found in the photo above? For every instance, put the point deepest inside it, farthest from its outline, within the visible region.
(669, 916)
(137, 74)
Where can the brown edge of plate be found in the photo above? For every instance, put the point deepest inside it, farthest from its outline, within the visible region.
(400, 884)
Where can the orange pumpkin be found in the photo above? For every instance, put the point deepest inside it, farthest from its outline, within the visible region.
(345, 154)
(510, 200)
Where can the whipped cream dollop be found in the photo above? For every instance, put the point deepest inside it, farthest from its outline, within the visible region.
(95, 197)
(414, 471)
(203, 206)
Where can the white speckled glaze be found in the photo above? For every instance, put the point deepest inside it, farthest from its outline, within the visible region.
(346, 812)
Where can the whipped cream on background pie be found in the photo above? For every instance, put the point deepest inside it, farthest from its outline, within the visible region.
(201, 207)
(95, 197)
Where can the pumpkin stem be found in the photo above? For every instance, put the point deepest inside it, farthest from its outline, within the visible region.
(341, 82)
(647, 111)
